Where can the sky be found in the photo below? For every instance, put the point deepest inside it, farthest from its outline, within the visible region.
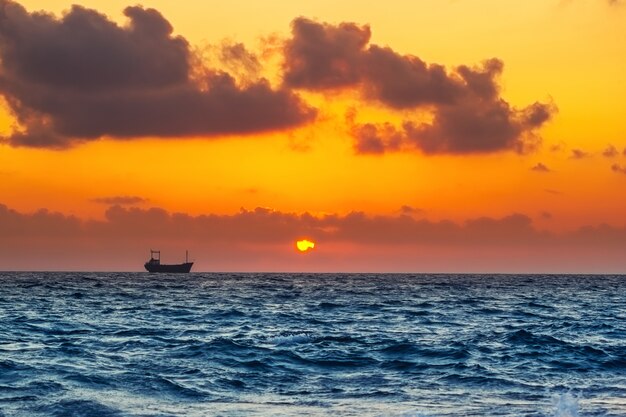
(404, 136)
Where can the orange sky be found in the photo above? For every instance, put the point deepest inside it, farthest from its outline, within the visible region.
(568, 55)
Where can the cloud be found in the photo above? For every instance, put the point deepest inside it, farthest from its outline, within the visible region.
(465, 128)
(371, 138)
(267, 226)
(468, 113)
(83, 77)
(120, 200)
(406, 81)
(41, 223)
(618, 168)
(257, 226)
(240, 61)
(480, 128)
(558, 147)
(409, 210)
(610, 152)
(263, 239)
(540, 167)
(321, 56)
(579, 154)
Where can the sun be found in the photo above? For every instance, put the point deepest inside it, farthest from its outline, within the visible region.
(305, 245)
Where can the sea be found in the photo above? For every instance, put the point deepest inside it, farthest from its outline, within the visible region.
(265, 344)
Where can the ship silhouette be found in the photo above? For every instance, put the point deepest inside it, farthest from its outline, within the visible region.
(155, 265)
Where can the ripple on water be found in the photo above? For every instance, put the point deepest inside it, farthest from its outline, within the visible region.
(287, 344)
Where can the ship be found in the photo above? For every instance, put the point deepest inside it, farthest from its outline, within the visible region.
(155, 265)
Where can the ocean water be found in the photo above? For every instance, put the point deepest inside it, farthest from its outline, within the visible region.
(133, 344)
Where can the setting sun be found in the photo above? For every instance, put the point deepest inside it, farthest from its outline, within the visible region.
(304, 245)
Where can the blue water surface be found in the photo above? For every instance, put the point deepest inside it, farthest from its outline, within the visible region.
(133, 344)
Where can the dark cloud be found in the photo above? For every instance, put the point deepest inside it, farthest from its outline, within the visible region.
(461, 129)
(82, 77)
(579, 154)
(406, 81)
(610, 152)
(618, 168)
(320, 56)
(377, 139)
(120, 200)
(469, 116)
(540, 167)
(480, 128)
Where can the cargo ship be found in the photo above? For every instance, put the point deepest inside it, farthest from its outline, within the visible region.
(155, 265)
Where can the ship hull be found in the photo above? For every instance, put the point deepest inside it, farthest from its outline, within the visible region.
(177, 268)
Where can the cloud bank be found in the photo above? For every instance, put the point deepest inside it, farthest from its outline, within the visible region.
(240, 241)
(82, 77)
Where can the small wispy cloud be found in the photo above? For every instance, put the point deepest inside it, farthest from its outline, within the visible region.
(558, 147)
(579, 154)
(610, 152)
(540, 167)
(618, 168)
(408, 210)
(546, 215)
(120, 200)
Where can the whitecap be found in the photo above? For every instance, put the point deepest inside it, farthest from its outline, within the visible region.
(290, 339)
(565, 405)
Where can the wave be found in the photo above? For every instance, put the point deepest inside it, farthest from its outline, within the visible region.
(73, 408)
(289, 344)
(290, 339)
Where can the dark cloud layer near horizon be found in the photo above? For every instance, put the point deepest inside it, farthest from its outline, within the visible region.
(266, 226)
(469, 115)
(82, 77)
(263, 240)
